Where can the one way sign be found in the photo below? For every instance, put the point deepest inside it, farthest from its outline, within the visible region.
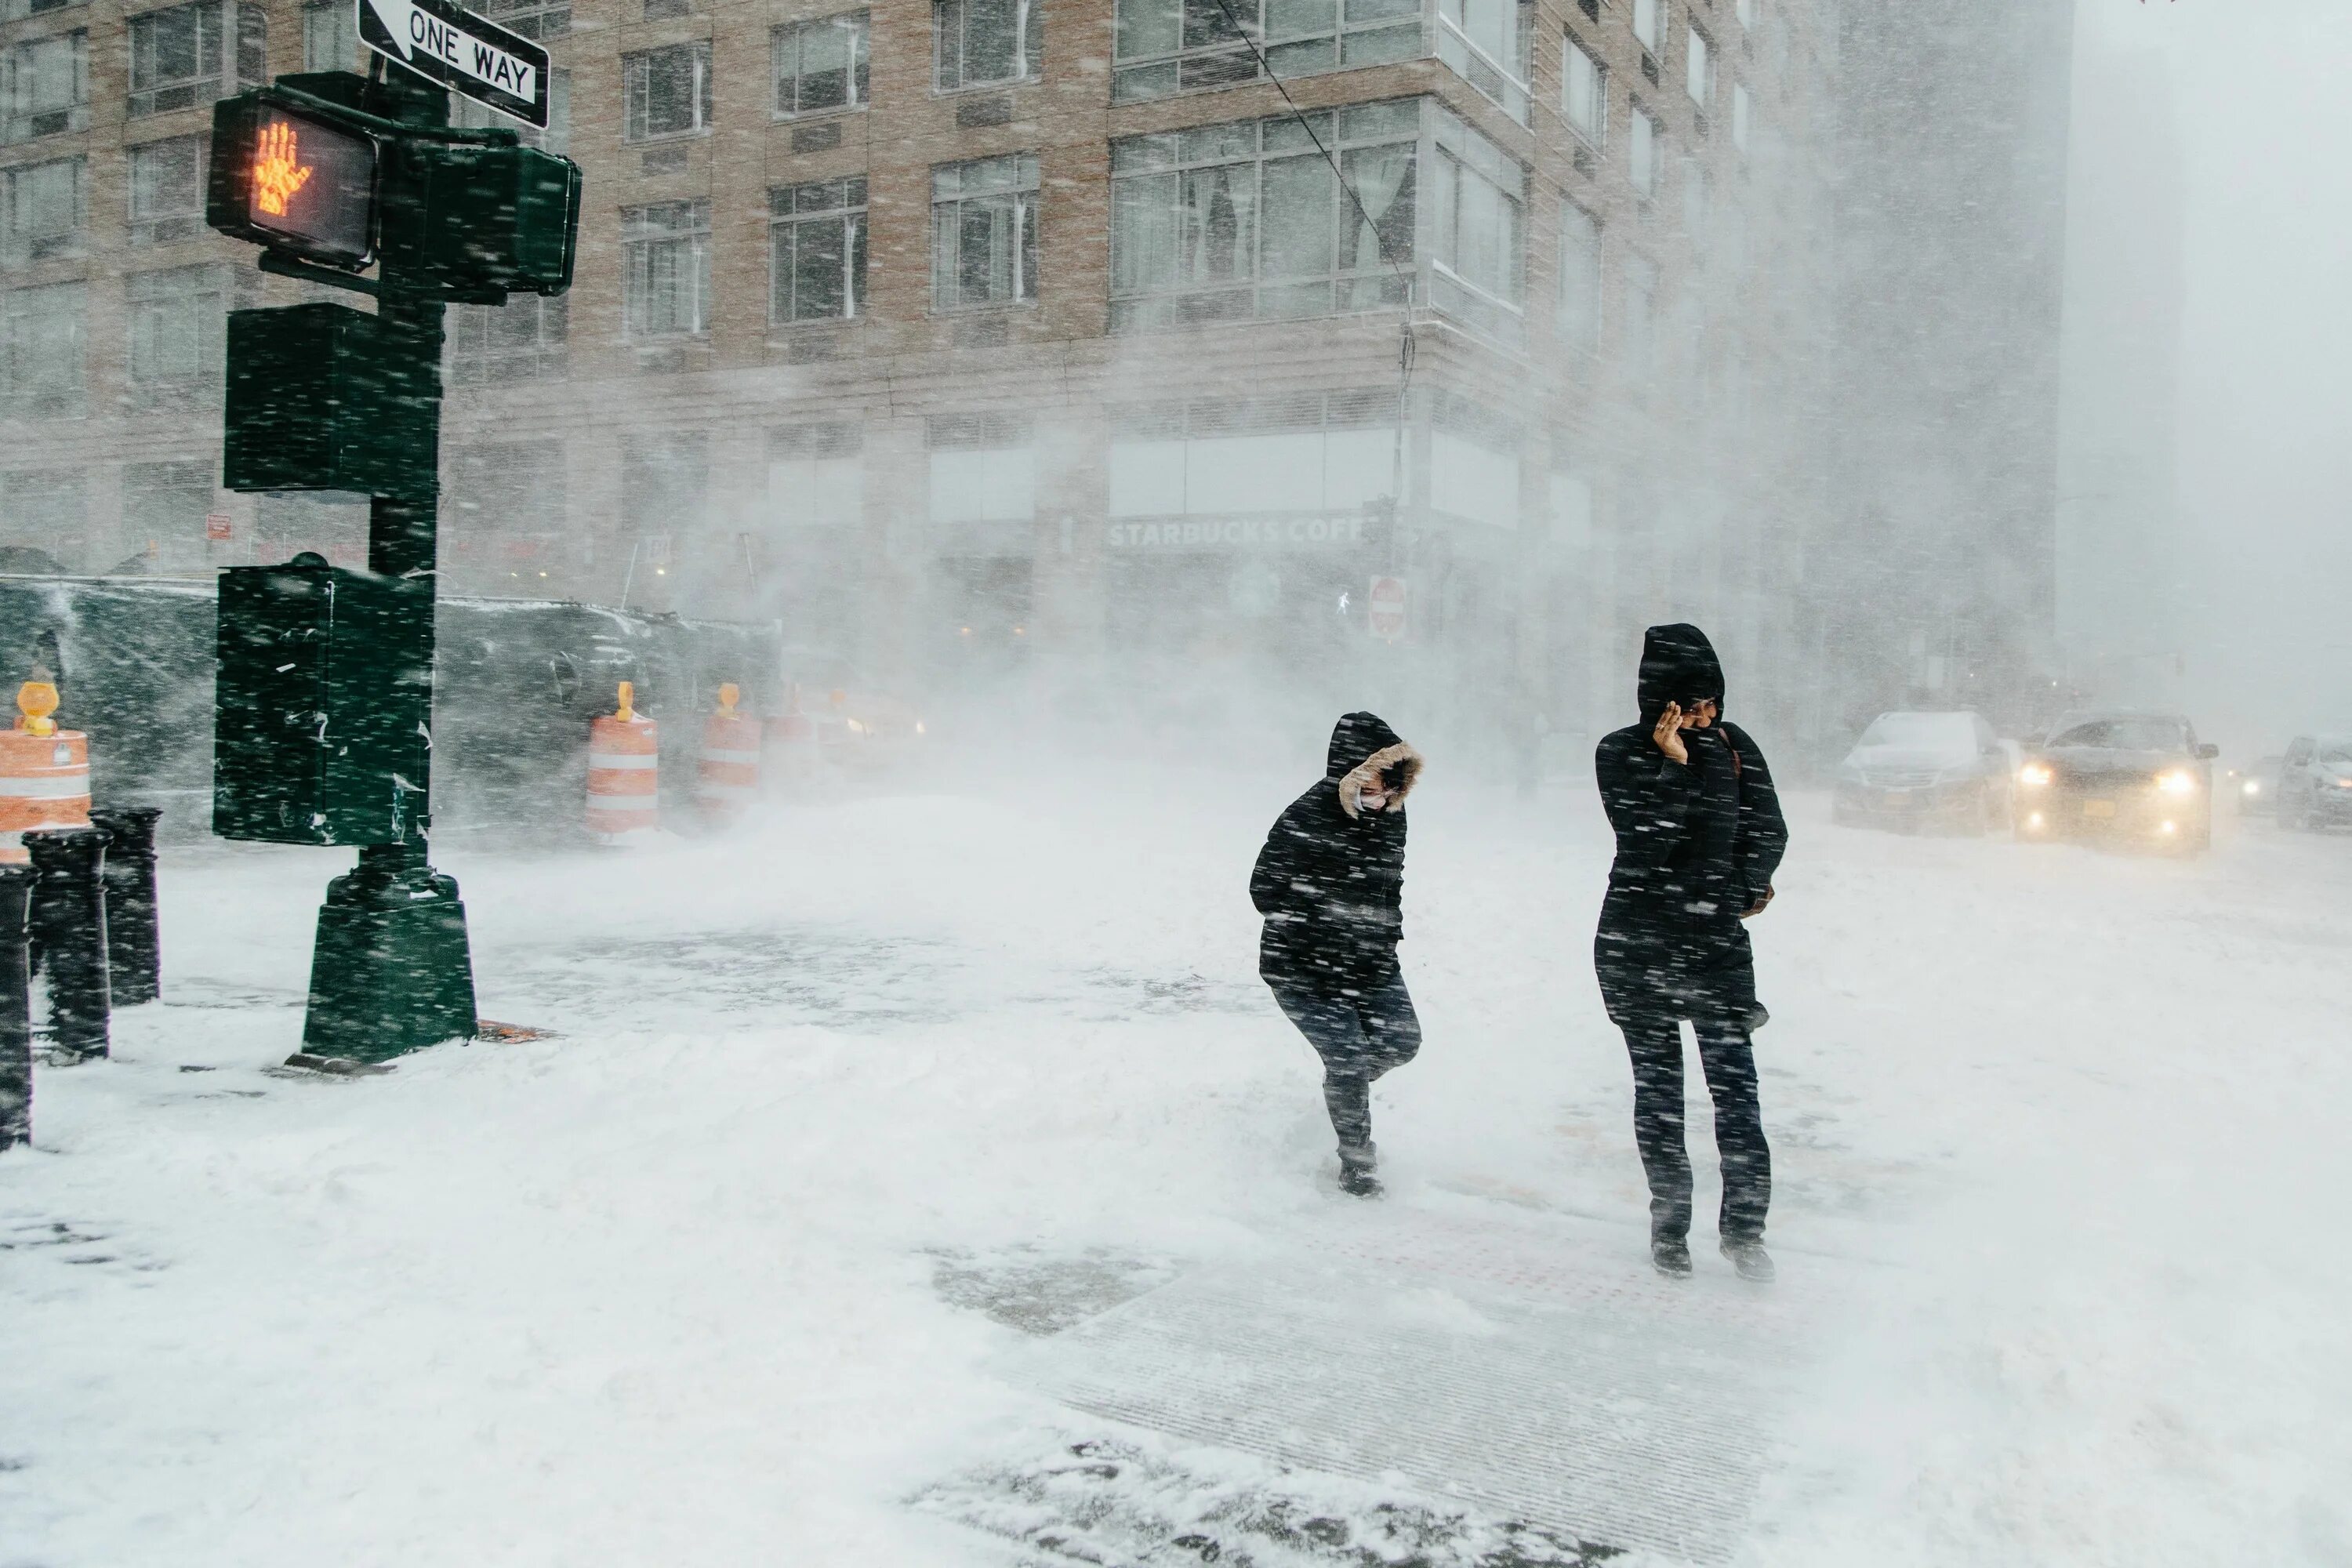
(462, 52)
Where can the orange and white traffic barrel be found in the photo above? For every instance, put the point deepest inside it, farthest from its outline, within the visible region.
(727, 770)
(624, 774)
(44, 770)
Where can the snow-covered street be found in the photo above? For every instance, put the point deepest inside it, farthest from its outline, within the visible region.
(883, 1152)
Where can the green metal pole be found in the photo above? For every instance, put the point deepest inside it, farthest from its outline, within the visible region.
(393, 969)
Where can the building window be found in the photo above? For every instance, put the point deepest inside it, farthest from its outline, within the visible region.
(46, 510)
(189, 55)
(1232, 220)
(167, 189)
(983, 469)
(1174, 46)
(665, 270)
(1698, 195)
(555, 138)
(817, 477)
(664, 480)
(1740, 115)
(1644, 153)
(42, 332)
(982, 42)
(816, 250)
(167, 503)
(820, 64)
(508, 503)
(1579, 276)
(523, 339)
(176, 321)
(540, 19)
(1583, 93)
(17, 10)
(1650, 23)
(984, 232)
(1698, 77)
(330, 36)
(1481, 40)
(669, 92)
(1746, 11)
(1476, 196)
(43, 208)
(45, 87)
(1638, 347)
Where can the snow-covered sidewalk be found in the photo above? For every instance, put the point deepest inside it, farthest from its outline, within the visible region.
(864, 1135)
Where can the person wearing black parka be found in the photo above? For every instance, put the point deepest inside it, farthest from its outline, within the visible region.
(1699, 837)
(1330, 883)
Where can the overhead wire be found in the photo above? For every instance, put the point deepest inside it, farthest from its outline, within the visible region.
(1404, 323)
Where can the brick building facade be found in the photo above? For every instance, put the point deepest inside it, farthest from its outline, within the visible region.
(950, 329)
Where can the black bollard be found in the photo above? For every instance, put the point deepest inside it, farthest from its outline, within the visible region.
(16, 1008)
(134, 947)
(70, 934)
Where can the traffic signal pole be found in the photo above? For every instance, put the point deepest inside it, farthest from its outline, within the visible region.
(391, 967)
(322, 726)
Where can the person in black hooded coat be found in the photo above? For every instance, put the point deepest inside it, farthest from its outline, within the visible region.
(1330, 883)
(1699, 836)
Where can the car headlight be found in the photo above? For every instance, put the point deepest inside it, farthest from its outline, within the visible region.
(2253, 786)
(2344, 784)
(2180, 781)
(2034, 775)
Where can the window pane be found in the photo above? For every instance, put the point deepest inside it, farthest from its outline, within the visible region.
(1383, 180)
(1147, 26)
(1144, 234)
(1301, 214)
(821, 284)
(825, 66)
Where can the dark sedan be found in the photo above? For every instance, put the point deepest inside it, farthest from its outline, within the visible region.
(2122, 778)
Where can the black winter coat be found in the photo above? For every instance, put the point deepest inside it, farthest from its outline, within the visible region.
(1697, 845)
(1330, 880)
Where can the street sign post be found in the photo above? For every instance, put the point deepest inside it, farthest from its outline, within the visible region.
(472, 57)
(322, 720)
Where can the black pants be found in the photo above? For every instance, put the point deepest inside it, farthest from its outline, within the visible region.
(1729, 1063)
(1359, 1035)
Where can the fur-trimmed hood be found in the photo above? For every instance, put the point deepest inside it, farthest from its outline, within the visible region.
(1362, 745)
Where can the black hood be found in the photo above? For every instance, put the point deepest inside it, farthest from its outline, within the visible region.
(1355, 737)
(1678, 664)
(1362, 745)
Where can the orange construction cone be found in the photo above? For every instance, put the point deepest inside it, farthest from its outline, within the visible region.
(44, 770)
(727, 771)
(624, 774)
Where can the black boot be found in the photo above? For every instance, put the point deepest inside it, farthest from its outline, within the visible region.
(1670, 1256)
(1753, 1263)
(1357, 1163)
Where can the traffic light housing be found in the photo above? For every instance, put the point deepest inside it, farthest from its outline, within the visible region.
(317, 400)
(324, 696)
(486, 219)
(310, 168)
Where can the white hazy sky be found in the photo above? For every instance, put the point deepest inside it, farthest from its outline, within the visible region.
(2263, 98)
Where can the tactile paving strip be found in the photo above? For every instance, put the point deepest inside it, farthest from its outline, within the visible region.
(1538, 1371)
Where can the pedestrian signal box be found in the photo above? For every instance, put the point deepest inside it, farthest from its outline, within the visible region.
(290, 179)
(320, 715)
(318, 404)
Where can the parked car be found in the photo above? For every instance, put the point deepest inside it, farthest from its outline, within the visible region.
(2254, 788)
(2315, 787)
(2119, 777)
(1910, 770)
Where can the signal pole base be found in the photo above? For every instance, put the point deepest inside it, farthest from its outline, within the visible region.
(392, 970)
